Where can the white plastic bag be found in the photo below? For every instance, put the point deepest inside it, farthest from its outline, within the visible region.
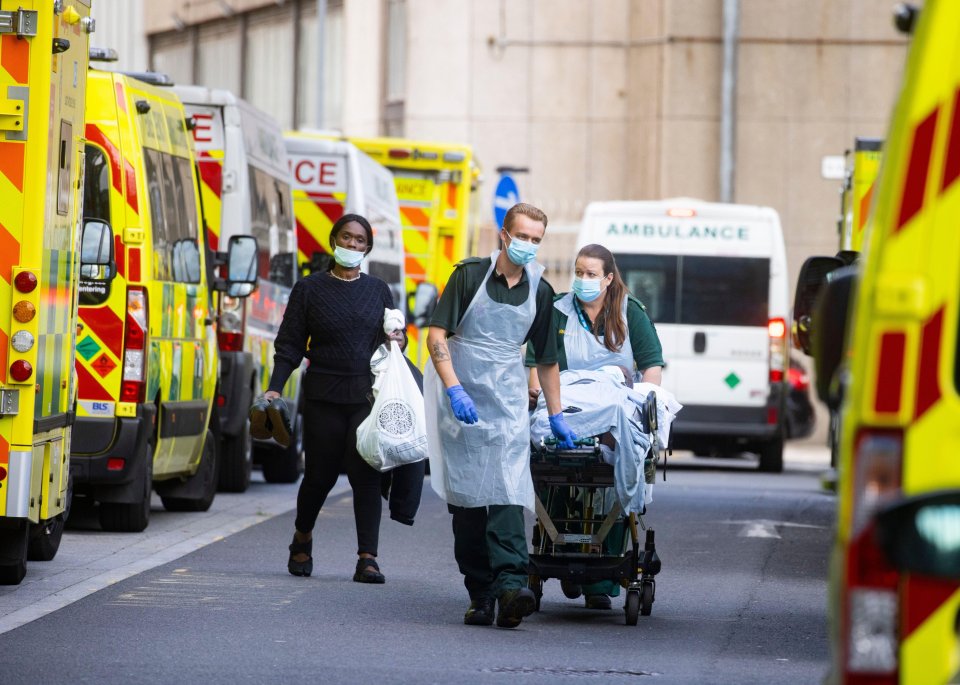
(395, 432)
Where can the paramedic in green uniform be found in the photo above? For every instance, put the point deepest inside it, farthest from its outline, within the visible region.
(478, 425)
(600, 324)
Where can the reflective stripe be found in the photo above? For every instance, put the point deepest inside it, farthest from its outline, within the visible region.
(18, 481)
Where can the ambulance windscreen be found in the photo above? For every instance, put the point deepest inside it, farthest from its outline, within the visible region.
(698, 290)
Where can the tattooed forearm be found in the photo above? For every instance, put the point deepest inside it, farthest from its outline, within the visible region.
(439, 352)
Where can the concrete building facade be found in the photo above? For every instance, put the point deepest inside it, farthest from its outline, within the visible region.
(599, 99)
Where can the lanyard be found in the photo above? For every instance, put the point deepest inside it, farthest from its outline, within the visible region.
(581, 316)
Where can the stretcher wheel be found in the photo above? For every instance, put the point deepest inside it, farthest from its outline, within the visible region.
(646, 598)
(536, 585)
(632, 607)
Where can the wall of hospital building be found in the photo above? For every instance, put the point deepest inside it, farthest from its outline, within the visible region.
(120, 25)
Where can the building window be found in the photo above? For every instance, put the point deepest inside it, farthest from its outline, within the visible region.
(219, 60)
(395, 68)
(172, 54)
(269, 78)
(308, 82)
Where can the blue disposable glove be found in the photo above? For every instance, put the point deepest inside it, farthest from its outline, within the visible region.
(462, 405)
(561, 430)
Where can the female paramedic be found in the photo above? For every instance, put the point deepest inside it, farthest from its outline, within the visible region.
(600, 324)
(478, 428)
(335, 319)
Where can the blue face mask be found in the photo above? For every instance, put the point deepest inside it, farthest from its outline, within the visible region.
(348, 259)
(587, 289)
(521, 252)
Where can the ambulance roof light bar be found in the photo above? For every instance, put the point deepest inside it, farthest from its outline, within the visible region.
(103, 55)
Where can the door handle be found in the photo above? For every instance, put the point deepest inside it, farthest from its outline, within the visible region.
(699, 342)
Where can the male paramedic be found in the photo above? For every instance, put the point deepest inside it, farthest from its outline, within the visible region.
(478, 426)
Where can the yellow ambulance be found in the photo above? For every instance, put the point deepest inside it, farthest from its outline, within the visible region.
(147, 360)
(41, 143)
(436, 183)
(862, 168)
(895, 573)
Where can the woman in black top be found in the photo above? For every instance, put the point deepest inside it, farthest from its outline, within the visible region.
(335, 319)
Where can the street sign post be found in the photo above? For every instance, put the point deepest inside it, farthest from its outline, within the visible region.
(504, 197)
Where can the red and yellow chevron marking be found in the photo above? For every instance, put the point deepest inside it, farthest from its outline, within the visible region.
(316, 214)
(211, 188)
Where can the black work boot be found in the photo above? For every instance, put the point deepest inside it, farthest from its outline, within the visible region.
(480, 612)
(515, 605)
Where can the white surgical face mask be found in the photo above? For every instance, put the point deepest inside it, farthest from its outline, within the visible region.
(521, 252)
(348, 259)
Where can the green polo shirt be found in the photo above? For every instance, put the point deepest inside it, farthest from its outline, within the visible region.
(463, 286)
(643, 335)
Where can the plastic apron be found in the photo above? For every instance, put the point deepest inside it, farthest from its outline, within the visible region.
(487, 462)
(586, 353)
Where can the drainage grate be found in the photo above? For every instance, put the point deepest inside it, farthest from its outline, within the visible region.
(574, 672)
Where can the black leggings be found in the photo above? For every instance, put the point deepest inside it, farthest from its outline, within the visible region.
(329, 442)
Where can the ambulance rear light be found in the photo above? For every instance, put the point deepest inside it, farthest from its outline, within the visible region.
(22, 341)
(230, 324)
(25, 282)
(431, 156)
(777, 330)
(3, 473)
(24, 311)
(877, 467)
(872, 636)
(454, 157)
(21, 370)
(681, 212)
(103, 55)
(116, 463)
(133, 386)
(398, 153)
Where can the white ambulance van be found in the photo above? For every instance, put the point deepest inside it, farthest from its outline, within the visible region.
(245, 190)
(714, 280)
(332, 178)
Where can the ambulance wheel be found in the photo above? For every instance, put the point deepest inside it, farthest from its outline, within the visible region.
(45, 537)
(632, 607)
(236, 461)
(207, 481)
(536, 585)
(647, 592)
(13, 552)
(285, 464)
(131, 517)
(771, 456)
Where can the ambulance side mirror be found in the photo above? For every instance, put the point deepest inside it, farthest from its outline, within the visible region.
(240, 265)
(97, 259)
(812, 278)
(829, 328)
(424, 302)
(922, 534)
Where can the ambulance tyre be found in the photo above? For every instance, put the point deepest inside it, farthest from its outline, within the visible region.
(236, 461)
(284, 464)
(45, 536)
(13, 552)
(131, 517)
(771, 456)
(203, 482)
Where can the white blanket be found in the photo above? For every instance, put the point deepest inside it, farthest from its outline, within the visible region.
(594, 403)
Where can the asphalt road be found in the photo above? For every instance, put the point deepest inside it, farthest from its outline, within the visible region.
(741, 599)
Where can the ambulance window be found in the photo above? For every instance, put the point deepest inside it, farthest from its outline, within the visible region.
(96, 185)
(271, 223)
(652, 279)
(186, 252)
(153, 169)
(724, 291)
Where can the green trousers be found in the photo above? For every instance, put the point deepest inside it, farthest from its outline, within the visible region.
(490, 545)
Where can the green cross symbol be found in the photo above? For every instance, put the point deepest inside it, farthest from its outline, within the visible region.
(88, 347)
(732, 379)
